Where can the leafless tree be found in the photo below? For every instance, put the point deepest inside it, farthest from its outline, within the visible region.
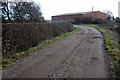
(4, 6)
(21, 11)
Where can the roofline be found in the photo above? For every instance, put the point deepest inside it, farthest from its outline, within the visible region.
(76, 13)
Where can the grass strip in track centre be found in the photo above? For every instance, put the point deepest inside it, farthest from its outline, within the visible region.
(13, 58)
(114, 52)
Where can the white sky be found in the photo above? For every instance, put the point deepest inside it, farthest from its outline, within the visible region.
(55, 7)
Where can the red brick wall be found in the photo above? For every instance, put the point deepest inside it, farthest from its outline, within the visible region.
(99, 15)
(94, 15)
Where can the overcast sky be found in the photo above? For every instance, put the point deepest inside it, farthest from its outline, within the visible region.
(55, 7)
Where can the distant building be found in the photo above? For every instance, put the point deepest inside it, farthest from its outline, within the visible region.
(70, 17)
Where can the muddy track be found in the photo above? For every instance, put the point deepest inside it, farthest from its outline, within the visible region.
(80, 55)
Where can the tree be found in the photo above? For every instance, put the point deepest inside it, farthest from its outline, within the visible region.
(77, 20)
(108, 12)
(27, 12)
(85, 20)
(6, 12)
(98, 21)
(117, 19)
(21, 11)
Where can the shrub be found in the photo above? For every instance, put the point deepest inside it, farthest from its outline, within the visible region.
(117, 20)
(88, 20)
(17, 37)
(98, 21)
(85, 20)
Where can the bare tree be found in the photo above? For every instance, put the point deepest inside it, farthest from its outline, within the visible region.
(21, 11)
(4, 6)
(27, 12)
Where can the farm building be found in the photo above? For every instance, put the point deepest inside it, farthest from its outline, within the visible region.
(69, 17)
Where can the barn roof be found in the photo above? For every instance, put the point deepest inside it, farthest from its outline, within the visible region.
(75, 13)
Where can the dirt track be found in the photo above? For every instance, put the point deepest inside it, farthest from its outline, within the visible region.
(80, 55)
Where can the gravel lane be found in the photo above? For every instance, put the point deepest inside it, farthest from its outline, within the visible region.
(80, 55)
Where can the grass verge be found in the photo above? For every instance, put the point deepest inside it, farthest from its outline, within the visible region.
(13, 58)
(113, 51)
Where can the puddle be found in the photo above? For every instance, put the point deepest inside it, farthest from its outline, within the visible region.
(94, 58)
(81, 33)
(95, 37)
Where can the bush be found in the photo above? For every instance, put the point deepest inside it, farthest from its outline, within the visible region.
(88, 20)
(85, 20)
(98, 21)
(117, 20)
(17, 37)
